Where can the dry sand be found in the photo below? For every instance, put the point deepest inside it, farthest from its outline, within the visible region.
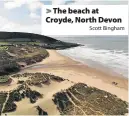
(67, 68)
(46, 103)
(74, 72)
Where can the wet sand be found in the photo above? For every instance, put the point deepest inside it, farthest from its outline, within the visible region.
(67, 68)
(73, 72)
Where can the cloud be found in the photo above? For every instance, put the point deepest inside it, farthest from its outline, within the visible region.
(13, 4)
(99, 2)
(34, 15)
(58, 2)
(10, 26)
(32, 5)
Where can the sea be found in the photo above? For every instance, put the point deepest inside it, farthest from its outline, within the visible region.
(106, 53)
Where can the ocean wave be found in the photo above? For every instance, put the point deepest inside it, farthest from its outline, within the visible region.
(112, 59)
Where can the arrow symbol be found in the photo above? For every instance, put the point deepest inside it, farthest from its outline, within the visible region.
(48, 10)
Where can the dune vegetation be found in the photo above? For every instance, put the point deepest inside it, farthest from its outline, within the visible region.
(13, 58)
(81, 99)
(47, 92)
(23, 90)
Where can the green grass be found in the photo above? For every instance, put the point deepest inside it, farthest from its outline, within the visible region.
(18, 42)
(3, 97)
(30, 43)
(90, 101)
(3, 48)
(42, 52)
(4, 43)
(4, 79)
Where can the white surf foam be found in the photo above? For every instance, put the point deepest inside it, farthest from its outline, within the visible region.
(117, 61)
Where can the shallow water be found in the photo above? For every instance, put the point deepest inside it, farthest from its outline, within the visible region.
(110, 52)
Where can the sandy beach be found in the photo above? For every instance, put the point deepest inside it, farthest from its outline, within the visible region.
(73, 72)
(46, 103)
(67, 68)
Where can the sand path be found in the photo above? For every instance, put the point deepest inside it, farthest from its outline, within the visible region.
(73, 72)
(76, 72)
(5, 102)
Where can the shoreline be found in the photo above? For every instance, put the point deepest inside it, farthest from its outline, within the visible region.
(75, 72)
(96, 65)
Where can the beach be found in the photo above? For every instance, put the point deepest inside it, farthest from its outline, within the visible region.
(75, 72)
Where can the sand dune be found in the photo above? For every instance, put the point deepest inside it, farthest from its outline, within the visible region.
(76, 72)
(46, 103)
(73, 72)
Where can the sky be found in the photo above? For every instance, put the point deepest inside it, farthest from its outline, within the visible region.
(25, 15)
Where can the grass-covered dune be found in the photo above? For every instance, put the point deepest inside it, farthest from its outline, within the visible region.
(24, 89)
(46, 42)
(13, 58)
(81, 99)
